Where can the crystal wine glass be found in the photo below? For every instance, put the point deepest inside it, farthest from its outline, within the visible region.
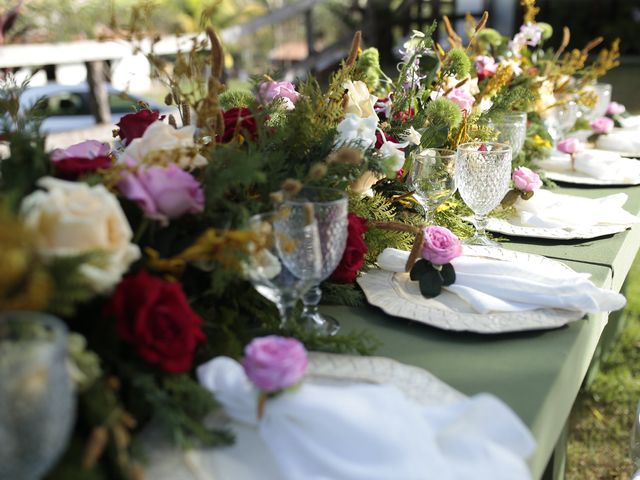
(512, 130)
(432, 178)
(561, 120)
(483, 172)
(268, 273)
(603, 91)
(36, 394)
(329, 207)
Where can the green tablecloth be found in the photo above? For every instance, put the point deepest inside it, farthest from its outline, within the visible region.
(537, 373)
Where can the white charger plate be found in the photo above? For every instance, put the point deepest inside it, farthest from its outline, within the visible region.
(579, 179)
(398, 296)
(504, 226)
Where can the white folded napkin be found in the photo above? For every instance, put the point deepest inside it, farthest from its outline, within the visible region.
(493, 285)
(547, 209)
(632, 121)
(599, 164)
(373, 432)
(620, 141)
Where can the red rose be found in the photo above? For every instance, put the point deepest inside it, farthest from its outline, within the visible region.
(238, 121)
(155, 317)
(133, 125)
(353, 256)
(380, 140)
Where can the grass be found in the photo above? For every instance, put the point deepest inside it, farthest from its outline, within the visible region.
(601, 420)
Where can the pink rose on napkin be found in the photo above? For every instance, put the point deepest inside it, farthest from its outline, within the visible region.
(615, 108)
(526, 179)
(461, 97)
(81, 158)
(602, 125)
(274, 363)
(440, 245)
(570, 145)
(270, 91)
(163, 193)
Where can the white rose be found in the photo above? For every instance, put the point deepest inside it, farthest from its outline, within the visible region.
(360, 101)
(357, 129)
(161, 137)
(69, 218)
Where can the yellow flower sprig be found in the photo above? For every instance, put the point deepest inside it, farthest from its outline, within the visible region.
(530, 10)
(225, 248)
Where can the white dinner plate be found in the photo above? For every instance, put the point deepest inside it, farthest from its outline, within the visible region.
(398, 296)
(504, 226)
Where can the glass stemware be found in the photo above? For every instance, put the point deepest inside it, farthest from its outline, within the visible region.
(561, 120)
(603, 91)
(329, 207)
(268, 273)
(432, 177)
(483, 172)
(36, 395)
(512, 130)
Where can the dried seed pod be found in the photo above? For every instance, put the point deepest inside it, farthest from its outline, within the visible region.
(172, 121)
(355, 48)
(168, 99)
(292, 186)
(317, 171)
(95, 447)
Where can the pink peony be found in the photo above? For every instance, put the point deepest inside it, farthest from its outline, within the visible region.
(270, 91)
(163, 193)
(274, 363)
(526, 179)
(615, 108)
(602, 125)
(440, 245)
(485, 66)
(462, 98)
(570, 145)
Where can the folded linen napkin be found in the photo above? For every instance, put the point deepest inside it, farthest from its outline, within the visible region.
(547, 209)
(374, 432)
(600, 164)
(630, 122)
(494, 285)
(620, 141)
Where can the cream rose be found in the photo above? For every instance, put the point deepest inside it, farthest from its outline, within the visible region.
(69, 218)
(360, 101)
(547, 98)
(176, 143)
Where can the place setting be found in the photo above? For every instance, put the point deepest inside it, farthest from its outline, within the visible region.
(480, 286)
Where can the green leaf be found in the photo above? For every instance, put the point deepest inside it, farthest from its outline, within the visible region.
(448, 274)
(431, 283)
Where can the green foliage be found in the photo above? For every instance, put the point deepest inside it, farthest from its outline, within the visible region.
(442, 116)
(342, 294)
(180, 404)
(236, 98)
(489, 37)
(456, 63)
(71, 287)
(519, 98)
(547, 30)
(368, 68)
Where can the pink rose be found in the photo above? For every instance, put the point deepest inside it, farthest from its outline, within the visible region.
(81, 158)
(270, 91)
(462, 98)
(602, 125)
(485, 66)
(526, 179)
(274, 363)
(570, 145)
(163, 193)
(440, 245)
(615, 108)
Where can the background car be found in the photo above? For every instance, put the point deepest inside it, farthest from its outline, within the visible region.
(68, 106)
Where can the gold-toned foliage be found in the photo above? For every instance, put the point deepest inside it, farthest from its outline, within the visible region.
(225, 248)
(454, 39)
(530, 10)
(587, 98)
(501, 79)
(24, 283)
